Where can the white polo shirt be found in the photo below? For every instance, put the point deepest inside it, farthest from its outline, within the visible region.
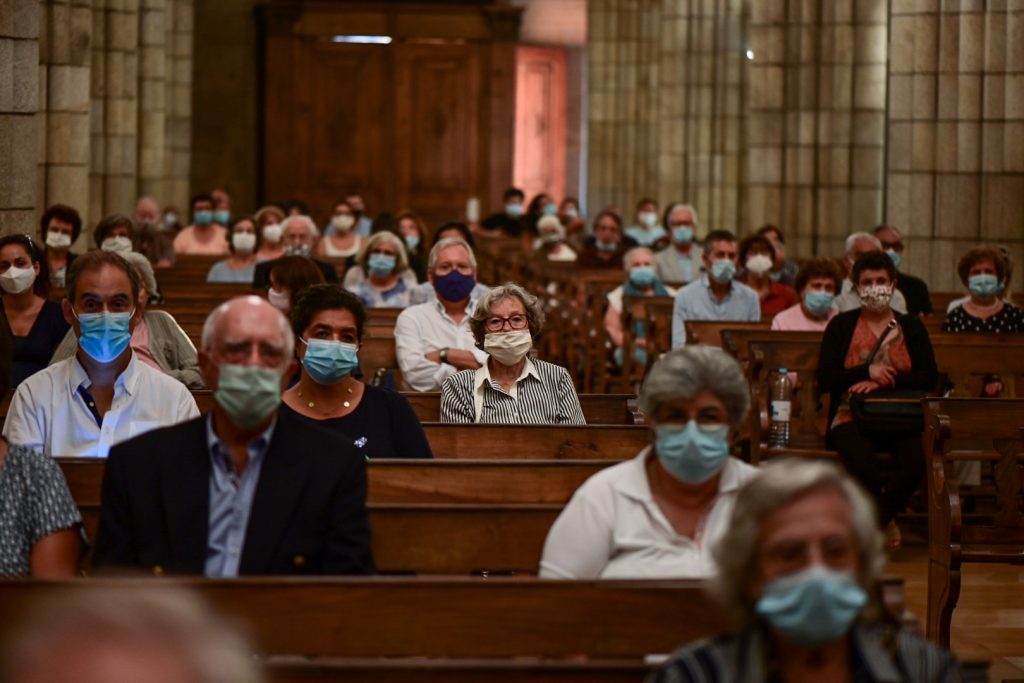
(613, 528)
(50, 410)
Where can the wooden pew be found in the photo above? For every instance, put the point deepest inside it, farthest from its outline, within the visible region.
(597, 408)
(432, 517)
(709, 332)
(500, 623)
(538, 442)
(958, 430)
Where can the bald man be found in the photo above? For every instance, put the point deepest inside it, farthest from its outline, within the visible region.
(243, 490)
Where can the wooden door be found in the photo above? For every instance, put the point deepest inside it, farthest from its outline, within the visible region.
(540, 148)
(437, 135)
(329, 123)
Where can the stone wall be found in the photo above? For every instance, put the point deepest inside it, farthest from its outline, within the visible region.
(86, 88)
(956, 131)
(667, 105)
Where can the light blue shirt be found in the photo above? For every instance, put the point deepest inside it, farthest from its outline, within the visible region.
(695, 301)
(371, 297)
(220, 272)
(231, 497)
(645, 237)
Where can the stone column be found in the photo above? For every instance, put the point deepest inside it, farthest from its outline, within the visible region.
(956, 131)
(63, 122)
(121, 114)
(666, 109)
(178, 118)
(19, 92)
(817, 114)
(153, 38)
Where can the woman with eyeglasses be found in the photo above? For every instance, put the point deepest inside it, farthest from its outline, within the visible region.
(328, 324)
(36, 324)
(510, 388)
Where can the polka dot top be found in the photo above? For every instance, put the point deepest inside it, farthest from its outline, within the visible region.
(1010, 320)
(34, 502)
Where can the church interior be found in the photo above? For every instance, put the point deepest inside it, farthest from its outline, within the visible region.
(609, 179)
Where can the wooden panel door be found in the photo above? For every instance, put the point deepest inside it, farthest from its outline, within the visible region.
(437, 133)
(329, 123)
(540, 147)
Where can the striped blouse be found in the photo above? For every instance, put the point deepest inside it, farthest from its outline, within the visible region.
(543, 394)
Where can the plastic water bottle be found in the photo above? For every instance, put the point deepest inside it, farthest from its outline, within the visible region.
(781, 408)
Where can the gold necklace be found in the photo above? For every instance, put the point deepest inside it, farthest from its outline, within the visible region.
(312, 404)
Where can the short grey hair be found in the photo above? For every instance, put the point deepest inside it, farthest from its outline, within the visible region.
(687, 371)
(852, 240)
(401, 258)
(171, 619)
(310, 225)
(680, 207)
(627, 258)
(778, 484)
(210, 325)
(534, 311)
(450, 242)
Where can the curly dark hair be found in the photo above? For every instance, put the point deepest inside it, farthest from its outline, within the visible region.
(819, 266)
(984, 252)
(752, 241)
(327, 297)
(873, 260)
(63, 213)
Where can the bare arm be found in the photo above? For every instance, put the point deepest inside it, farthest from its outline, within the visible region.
(55, 555)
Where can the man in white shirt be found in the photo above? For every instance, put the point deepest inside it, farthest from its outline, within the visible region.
(104, 394)
(433, 340)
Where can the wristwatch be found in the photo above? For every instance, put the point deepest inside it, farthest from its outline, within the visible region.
(444, 355)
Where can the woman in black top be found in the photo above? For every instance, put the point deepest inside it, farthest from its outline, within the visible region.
(36, 324)
(853, 361)
(986, 274)
(328, 324)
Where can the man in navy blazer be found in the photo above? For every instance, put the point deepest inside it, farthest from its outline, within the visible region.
(243, 490)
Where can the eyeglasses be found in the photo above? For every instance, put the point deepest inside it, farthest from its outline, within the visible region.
(515, 322)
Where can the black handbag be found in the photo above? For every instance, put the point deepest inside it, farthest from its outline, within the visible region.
(888, 412)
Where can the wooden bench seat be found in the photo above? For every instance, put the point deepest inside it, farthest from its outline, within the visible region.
(958, 430)
(537, 442)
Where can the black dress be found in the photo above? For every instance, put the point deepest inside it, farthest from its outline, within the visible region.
(32, 352)
(383, 425)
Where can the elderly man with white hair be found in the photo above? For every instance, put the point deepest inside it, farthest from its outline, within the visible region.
(857, 244)
(298, 235)
(797, 574)
(433, 340)
(682, 259)
(246, 489)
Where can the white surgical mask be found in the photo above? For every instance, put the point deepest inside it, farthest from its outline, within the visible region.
(508, 348)
(244, 242)
(648, 219)
(343, 222)
(17, 280)
(272, 232)
(58, 240)
(279, 300)
(118, 245)
(759, 264)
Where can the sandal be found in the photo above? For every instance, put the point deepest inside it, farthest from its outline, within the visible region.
(893, 537)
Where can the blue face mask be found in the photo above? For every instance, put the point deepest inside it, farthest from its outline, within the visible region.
(694, 453)
(514, 210)
(818, 303)
(412, 241)
(204, 217)
(328, 361)
(642, 276)
(775, 277)
(248, 394)
(896, 257)
(601, 246)
(985, 284)
(723, 270)
(221, 216)
(682, 234)
(380, 265)
(813, 606)
(454, 286)
(104, 335)
(550, 210)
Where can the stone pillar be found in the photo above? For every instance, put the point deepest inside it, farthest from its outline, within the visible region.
(153, 39)
(666, 109)
(178, 117)
(956, 132)
(121, 114)
(817, 119)
(19, 92)
(63, 121)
